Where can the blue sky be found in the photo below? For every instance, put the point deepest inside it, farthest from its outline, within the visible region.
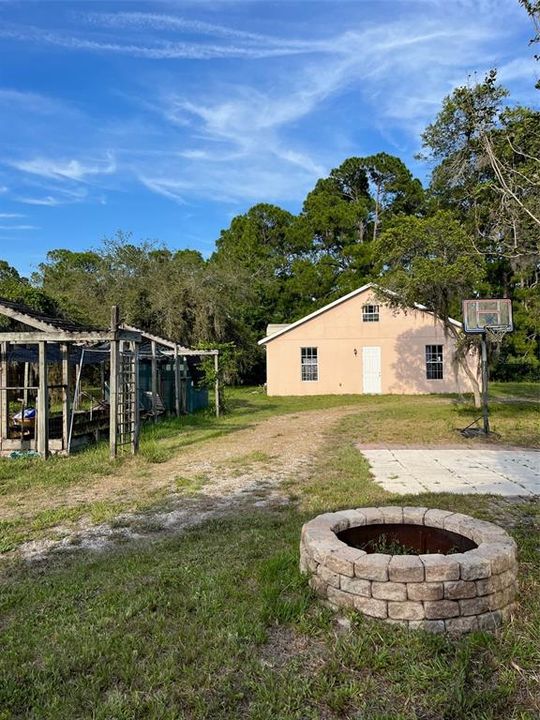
(167, 119)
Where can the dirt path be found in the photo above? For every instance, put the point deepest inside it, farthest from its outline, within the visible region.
(212, 477)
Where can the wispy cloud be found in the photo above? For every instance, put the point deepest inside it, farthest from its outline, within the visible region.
(68, 169)
(168, 187)
(5, 216)
(246, 130)
(158, 49)
(239, 132)
(156, 21)
(31, 102)
(18, 227)
(47, 201)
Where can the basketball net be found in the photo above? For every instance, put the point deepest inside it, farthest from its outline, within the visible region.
(495, 334)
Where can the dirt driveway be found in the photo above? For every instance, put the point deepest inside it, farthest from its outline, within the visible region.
(201, 481)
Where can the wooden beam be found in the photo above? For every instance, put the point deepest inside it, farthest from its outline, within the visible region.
(197, 353)
(216, 383)
(33, 338)
(65, 396)
(43, 404)
(191, 353)
(176, 382)
(26, 383)
(77, 392)
(135, 398)
(164, 342)
(113, 385)
(25, 319)
(154, 380)
(4, 406)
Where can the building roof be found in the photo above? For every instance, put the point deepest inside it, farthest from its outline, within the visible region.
(40, 321)
(285, 328)
(273, 328)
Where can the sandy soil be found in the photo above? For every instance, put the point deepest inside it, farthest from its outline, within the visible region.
(222, 474)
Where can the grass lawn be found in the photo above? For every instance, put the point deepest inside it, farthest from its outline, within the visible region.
(218, 623)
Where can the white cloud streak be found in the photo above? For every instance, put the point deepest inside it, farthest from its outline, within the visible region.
(47, 201)
(159, 50)
(18, 227)
(69, 169)
(156, 21)
(262, 134)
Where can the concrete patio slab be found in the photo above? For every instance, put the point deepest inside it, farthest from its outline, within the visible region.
(455, 470)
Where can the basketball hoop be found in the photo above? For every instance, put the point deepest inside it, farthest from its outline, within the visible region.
(489, 315)
(491, 319)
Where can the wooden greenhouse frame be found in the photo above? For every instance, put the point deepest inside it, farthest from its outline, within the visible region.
(45, 332)
(119, 344)
(177, 351)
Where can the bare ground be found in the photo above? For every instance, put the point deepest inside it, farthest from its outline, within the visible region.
(212, 478)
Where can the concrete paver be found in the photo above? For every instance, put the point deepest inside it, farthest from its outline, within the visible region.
(463, 470)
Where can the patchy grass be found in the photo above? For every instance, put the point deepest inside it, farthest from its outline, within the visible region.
(387, 418)
(249, 462)
(430, 419)
(523, 390)
(257, 456)
(219, 623)
(187, 629)
(191, 485)
(159, 442)
(14, 532)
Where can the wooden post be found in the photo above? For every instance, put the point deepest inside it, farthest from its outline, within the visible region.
(43, 403)
(102, 379)
(135, 398)
(176, 381)
(4, 405)
(184, 386)
(113, 384)
(77, 394)
(26, 383)
(65, 396)
(154, 380)
(216, 385)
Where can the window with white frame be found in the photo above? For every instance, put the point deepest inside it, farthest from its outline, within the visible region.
(370, 313)
(309, 364)
(434, 362)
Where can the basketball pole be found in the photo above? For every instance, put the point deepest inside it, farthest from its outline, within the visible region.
(485, 413)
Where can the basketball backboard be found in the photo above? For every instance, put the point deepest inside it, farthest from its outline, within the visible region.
(480, 316)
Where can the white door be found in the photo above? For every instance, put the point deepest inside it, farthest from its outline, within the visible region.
(371, 357)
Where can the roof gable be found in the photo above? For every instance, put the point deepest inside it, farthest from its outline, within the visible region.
(337, 302)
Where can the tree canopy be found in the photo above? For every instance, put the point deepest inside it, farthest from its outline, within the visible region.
(472, 231)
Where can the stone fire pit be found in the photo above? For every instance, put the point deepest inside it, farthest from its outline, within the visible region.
(430, 569)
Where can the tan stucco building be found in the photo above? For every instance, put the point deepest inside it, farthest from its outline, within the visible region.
(359, 345)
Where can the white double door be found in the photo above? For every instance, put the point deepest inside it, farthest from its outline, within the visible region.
(371, 370)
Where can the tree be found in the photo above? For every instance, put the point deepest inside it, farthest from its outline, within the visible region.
(429, 261)
(16, 288)
(393, 187)
(488, 174)
(488, 156)
(332, 228)
(532, 8)
(75, 280)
